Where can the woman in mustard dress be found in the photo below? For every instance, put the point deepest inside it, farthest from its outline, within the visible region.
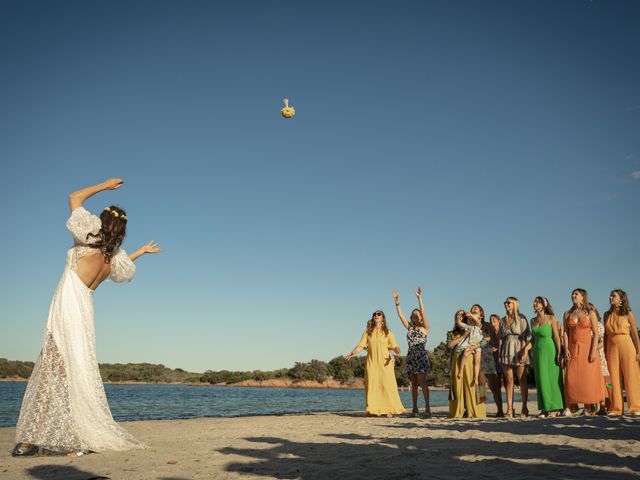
(381, 389)
(462, 394)
(584, 382)
(623, 353)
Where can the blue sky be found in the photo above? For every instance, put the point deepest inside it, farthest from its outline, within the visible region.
(477, 149)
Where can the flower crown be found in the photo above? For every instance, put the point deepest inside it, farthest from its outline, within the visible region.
(115, 214)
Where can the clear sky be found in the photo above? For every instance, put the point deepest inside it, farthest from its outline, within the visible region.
(478, 149)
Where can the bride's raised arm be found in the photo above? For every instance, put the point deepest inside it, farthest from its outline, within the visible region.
(150, 247)
(77, 198)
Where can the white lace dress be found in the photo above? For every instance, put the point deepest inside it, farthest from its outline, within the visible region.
(64, 407)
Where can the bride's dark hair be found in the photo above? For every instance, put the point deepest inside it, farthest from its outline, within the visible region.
(112, 232)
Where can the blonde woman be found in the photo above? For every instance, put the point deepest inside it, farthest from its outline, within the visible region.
(381, 388)
(514, 337)
(418, 365)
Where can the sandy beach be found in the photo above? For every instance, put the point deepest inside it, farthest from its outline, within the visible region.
(350, 446)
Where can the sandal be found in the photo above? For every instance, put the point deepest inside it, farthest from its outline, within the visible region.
(427, 413)
(24, 450)
(509, 414)
(415, 413)
(524, 413)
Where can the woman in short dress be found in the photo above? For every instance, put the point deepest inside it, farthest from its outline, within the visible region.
(418, 365)
(514, 335)
(64, 409)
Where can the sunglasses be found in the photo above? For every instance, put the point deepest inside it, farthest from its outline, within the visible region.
(508, 302)
(377, 314)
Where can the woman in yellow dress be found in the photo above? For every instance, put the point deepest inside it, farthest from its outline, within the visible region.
(380, 385)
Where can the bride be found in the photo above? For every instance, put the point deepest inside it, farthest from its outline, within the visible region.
(65, 409)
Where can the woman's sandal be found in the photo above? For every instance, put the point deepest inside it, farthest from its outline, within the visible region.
(24, 450)
(524, 413)
(427, 413)
(509, 414)
(415, 413)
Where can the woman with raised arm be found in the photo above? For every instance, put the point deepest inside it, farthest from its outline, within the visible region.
(380, 386)
(584, 382)
(514, 336)
(462, 392)
(623, 353)
(417, 359)
(64, 409)
(546, 351)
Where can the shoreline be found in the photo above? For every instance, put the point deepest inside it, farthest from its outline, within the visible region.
(278, 383)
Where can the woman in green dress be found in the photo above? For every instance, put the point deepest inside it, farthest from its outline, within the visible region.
(545, 347)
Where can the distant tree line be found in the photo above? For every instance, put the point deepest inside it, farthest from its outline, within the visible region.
(338, 369)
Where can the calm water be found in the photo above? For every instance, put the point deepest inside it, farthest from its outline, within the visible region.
(146, 402)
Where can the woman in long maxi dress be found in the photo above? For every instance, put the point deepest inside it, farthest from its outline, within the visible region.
(381, 388)
(583, 381)
(64, 409)
(462, 394)
(545, 349)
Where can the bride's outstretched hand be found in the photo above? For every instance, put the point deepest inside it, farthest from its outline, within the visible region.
(113, 183)
(151, 247)
(419, 292)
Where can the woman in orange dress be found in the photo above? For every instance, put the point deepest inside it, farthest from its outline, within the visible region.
(584, 382)
(622, 349)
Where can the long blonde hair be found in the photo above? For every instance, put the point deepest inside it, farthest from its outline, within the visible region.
(516, 308)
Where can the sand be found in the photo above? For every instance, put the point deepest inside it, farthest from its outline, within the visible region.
(339, 446)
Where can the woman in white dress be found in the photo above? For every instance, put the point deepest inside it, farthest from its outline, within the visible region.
(64, 409)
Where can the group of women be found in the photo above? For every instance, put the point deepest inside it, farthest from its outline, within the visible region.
(578, 361)
(65, 410)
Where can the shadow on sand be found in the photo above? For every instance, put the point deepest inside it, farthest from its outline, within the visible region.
(390, 456)
(62, 472)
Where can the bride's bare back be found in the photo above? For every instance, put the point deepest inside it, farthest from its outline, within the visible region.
(92, 270)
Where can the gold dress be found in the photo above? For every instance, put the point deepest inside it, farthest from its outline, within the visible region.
(380, 385)
(623, 368)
